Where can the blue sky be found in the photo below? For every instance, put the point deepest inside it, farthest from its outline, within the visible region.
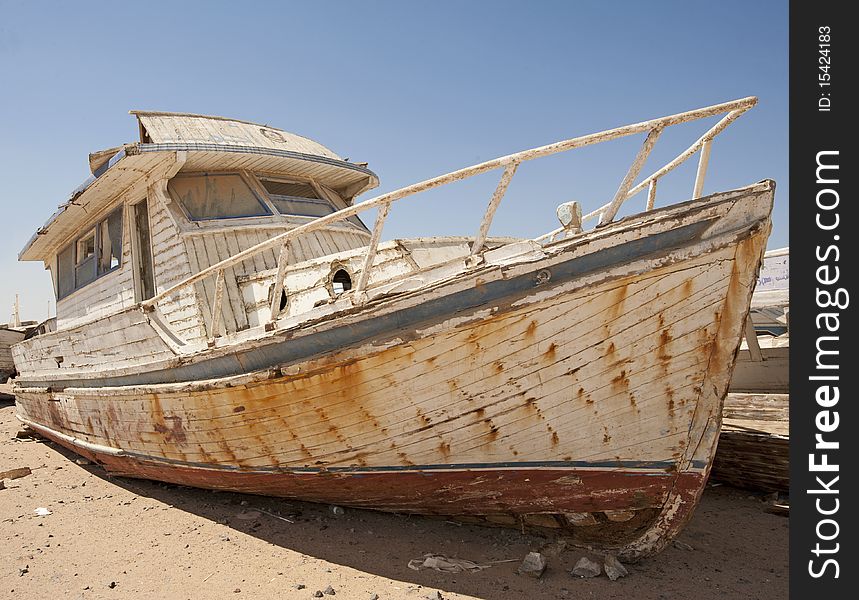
(415, 88)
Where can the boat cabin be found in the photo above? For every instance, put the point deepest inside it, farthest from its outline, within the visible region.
(193, 191)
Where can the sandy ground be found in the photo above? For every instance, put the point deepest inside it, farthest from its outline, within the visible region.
(122, 538)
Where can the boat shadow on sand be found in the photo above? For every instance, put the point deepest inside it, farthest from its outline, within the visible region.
(373, 542)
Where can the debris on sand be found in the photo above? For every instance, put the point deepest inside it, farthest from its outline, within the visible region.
(42, 512)
(15, 473)
(613, 568)
(27, 434)
(587, 568)
(440, 562)
(248, 515)
(781, 509)
(533, 566)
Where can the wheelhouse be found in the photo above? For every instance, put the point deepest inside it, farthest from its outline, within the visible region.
(193, 191)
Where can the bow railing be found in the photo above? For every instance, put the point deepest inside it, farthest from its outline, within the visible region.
(606, 213)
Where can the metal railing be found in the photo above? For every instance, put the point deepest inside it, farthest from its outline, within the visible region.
(509, 163)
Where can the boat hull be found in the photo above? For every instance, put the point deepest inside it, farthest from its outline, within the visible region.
(580, 392)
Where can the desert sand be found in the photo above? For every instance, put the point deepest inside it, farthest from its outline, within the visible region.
(108, 537)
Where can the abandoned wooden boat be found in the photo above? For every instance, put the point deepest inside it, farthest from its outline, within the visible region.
(225, 320)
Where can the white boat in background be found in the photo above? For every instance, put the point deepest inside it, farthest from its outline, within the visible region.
(225, 320)
(763, 362)
(11, 333)
(771, 303)
(8, 337)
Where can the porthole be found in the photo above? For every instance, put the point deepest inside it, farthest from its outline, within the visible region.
(341, 282)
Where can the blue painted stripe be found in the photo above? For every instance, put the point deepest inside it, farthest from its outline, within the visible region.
(397, 324)
(634, 465)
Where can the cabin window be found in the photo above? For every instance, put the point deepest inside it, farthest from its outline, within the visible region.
(96, 253)
(66, 272)
(207, 196)
(85, 259)
(86, 247)
(110, 242)
(299, 199)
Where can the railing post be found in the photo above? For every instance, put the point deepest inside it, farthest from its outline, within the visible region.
(358, 295)
(497, 196)
(703, 160)
(216, 307)
(282, 260)
(651, 195)
(620, 196)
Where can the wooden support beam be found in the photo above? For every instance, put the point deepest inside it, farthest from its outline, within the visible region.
(497, 196)
(702, 169)
(679, 160)
(216, 306)
(282, 261)
(364, 276)
(651, 195)
(621, 195)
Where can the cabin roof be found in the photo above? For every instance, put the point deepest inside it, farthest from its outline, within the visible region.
(167, 127)
(209, 143)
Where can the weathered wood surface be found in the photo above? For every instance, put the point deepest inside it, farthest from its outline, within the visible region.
(573, 384)
(206, 250)
(127, 341)
(753, 451)
(618, 371)
(120, 341)
(184, 311)
(164, 127)
(558, 384)
(766, 413)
